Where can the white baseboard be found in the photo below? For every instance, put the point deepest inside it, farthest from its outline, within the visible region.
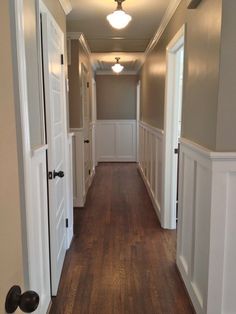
(152, 197)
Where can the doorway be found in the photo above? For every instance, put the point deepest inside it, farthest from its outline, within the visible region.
(172, 128)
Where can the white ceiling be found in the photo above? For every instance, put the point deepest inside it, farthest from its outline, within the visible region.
(89, 17)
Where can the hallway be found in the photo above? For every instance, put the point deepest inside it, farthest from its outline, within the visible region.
(120, 260)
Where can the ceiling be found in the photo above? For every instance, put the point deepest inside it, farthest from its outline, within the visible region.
(89, 17)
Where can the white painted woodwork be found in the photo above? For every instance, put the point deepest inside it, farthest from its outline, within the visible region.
(173, 109)
(206, 255)
(79, 189)
(69, 186)
(37, 268)
(116, 140)
(151, 163)
(55, 103)
(86, 126)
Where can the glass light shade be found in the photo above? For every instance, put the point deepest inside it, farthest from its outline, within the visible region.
(119, 19)
(117, 68)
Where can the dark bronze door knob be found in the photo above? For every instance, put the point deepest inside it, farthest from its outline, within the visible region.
(28, 301)
(59, 174)
(86, 141)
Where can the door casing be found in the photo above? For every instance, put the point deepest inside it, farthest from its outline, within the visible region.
(168, 217)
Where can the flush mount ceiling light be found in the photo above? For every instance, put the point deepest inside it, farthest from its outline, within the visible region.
(119, 19)
(117, 68)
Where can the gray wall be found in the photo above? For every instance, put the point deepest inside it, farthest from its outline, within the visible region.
(201, 77)
(78, 57)
(226, 124)
(10, 196)
(116, 97)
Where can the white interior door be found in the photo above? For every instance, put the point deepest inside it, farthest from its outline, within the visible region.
(172, 123)
(53, 51)
(86, 120)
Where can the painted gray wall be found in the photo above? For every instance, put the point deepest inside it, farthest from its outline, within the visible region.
(226, 124)
(116, 97)
(201, 77)
(78, 57)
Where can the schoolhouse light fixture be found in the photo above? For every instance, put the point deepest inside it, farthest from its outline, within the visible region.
(119, 19)
(117, 67)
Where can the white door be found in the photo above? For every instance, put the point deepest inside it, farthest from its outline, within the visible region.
(86, 120)
(172, 124)
(53, 51)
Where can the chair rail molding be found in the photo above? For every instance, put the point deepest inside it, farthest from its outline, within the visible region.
(66, 5)
(206, 252)
(150, 162)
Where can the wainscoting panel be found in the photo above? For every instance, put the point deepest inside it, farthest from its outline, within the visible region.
(206, 255)
(150, 162)
(116, 140)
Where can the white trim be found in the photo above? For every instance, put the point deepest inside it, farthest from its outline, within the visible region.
(150, 162)
(81, 38)
(152, 129)
(170, 134)
(37, 272)
(66, 5)
(166, 19)
(39, 150)
(150, 193)
(221, 156)
(207, 227)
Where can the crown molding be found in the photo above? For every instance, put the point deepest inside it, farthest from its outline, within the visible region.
(100, 73)
(81, 38)
(165, 20)
(66, 5)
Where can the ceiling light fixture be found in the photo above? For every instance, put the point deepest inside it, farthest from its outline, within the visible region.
(119, 19)
(117, 67)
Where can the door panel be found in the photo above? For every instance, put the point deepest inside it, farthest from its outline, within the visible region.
(86, 122)
(53, 48)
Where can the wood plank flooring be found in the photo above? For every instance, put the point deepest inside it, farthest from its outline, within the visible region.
(120, 261)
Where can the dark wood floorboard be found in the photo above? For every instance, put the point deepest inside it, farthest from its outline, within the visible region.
(120, 261)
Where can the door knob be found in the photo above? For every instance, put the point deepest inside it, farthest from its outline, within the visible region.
(59, 174)
(87, 141)
(27, 302)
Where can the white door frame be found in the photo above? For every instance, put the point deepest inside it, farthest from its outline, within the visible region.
(32, 266)
(168, 218)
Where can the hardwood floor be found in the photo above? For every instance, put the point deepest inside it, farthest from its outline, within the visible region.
(120, 261)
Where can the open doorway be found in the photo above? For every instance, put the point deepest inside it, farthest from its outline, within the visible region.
(172, 128)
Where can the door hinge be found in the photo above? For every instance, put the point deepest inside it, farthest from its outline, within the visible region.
(62, 59)
(50, 175)
(89, 171)
(176, 151)
(67, 223)
(87, 84)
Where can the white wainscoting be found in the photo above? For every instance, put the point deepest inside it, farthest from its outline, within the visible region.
(150, 162)
(206, 254)
(37, 221)
(79, 191)
(116, 140)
